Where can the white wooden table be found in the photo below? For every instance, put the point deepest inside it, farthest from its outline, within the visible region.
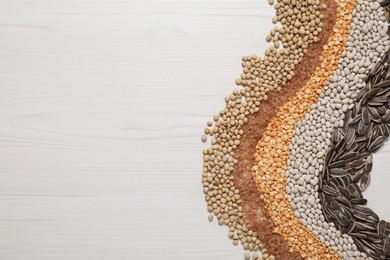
(102, 104)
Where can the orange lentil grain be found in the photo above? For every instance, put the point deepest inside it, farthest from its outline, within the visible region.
(271, 161)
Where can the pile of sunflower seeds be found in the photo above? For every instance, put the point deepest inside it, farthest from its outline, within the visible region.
(312, 137)
(348, 164)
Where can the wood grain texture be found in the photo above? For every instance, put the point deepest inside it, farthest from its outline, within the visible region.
(102, 104)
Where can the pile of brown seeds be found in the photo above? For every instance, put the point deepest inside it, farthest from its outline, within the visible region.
(301, 23)
(349, 161)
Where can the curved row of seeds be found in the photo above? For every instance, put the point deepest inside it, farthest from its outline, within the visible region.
(312, 135)
(273, 149)
(301, 23)
(255, 215)
(348, 163)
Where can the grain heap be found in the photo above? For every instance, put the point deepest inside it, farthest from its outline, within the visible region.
(273, 148)
(301, 24)
(290, 153)
(347, 166)
(312, 136)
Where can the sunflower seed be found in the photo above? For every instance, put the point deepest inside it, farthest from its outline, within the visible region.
(381, 228)
(375, 131)
(345, 193)
(359, 244)
(350, 137)
(371, 252)
(380, 97)
(361, 94)
(386, 116)
(376, 144)
(358, 235)
(335, 205)
(355, 120)
(382, 109)
(359, 215)
(373, 112)
(350, 227)
(372, 92)
(383, 84)
(337, 164)
(373, 216)
(336, 137)
(364, 226)
(365, 116)
(362, 128)
(363, 209)
(354, 191)
(338, 172)
(344, 201)
(359, 174)
(386, 246)
(340, 148)
(368, 164)
(387, 227)
(384, 92)
(361, 139)
(329, 156)
(341, 218)
(359, 163)
(329, 190)
(349, 155)
(384, 130)
(358, 201)
(364, 181)
(370, 234)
